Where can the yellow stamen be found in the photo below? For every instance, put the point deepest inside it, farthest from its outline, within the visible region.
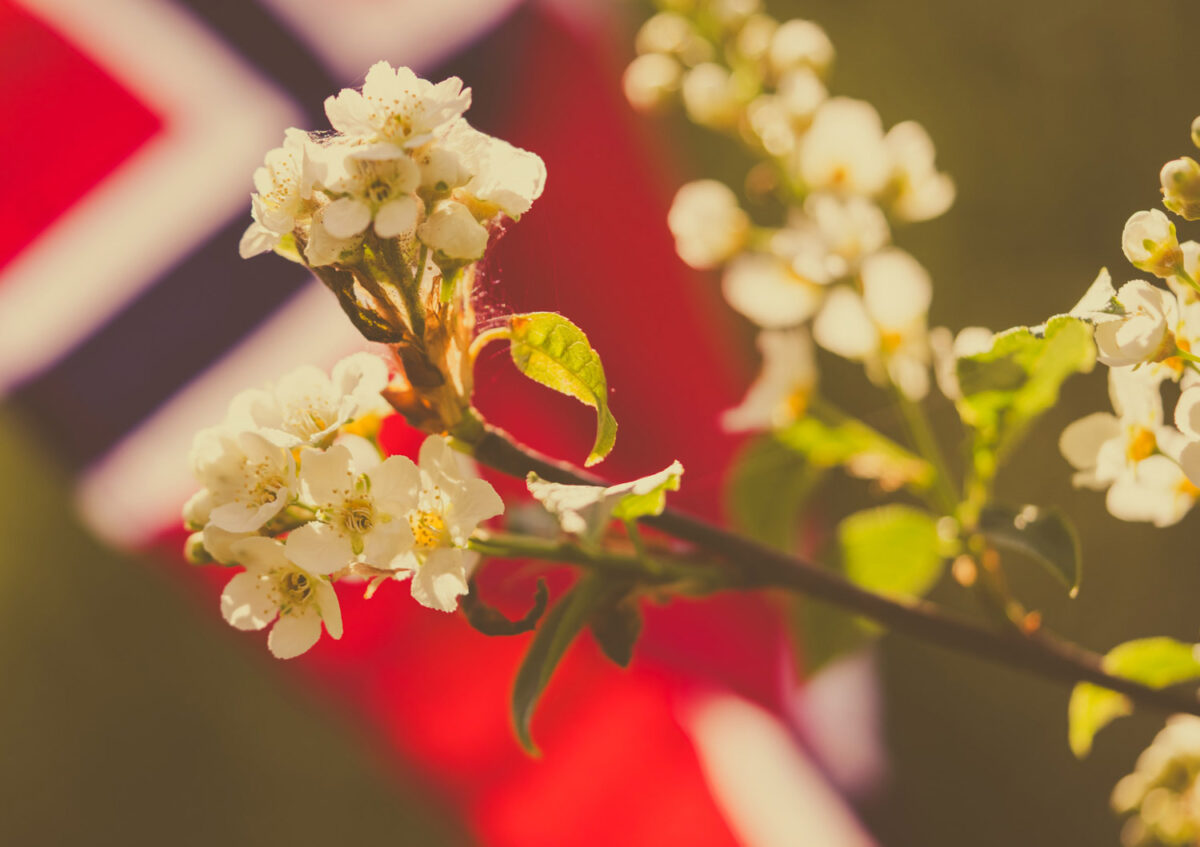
(428, 529)
(1141, 445)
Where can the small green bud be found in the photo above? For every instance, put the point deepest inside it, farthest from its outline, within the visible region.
(194, 550)
(1180, 180)
(1196, 132)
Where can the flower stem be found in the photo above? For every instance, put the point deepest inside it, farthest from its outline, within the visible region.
(926, 444)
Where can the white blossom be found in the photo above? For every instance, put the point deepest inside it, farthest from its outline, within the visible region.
(273, 587)
(921, 191)
(1142, 333)
(397, 106)
(800, 44)
(708, 224)
(324, 248)
(501, 175)
(372, 184)
(283, 185)
(769, 292)
(1150, 243)
(851, 228)
(361, 513)
(885, 325)
(801, 93)
(453, 231)
(249, 479)
(1123, 452)
(947, 348)
(450, 505)
(306, 406)
(844, 149)
(782, 391)
(1187, 420)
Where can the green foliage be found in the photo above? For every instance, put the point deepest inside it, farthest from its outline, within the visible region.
(616, 628)
(1006, 388)
(549, 349)
(827, 632)
(767, 487)
(1157, 662)
(892, 549)
(646, 496)
(490, 621)
(1044, 534)
(829, 439)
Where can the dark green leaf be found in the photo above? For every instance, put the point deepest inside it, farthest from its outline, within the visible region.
(1045, 534)
(617, 628)
(893, 549)
(559, 628)
(490, 621)
(549, 349)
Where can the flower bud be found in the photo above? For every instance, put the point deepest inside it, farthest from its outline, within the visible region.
(651, 80)
(1196, 132)
(1140, 335)
(664, 33)
(194, 551)
(708, 224)
(1181, 187)
(754, 39)
(710, 95)
(1150, 244)
(801, 44)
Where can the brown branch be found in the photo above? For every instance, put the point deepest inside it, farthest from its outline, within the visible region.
(759, 566)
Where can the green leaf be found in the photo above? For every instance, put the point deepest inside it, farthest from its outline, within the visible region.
(767, 487)
(617, 629)
(549, 349)
(1158, 662)
(584, 510)
(829, 439)
(490, 621)
(1005, 388)
(1090, 709)
(561, 625)
(893, 549)
(1045, 534)
(826, 633)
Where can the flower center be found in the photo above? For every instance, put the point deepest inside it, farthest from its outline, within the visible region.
(358, 516)
(1141, 445)
(296, 588)
(1187, 489)
(428, 529)
(890, 340)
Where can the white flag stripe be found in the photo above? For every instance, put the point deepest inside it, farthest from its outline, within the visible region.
(138, 488)
(170, 196)
(770, 793)
(417, 33)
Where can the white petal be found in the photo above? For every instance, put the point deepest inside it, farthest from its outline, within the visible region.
(346, 217)
(294, 634)
(328, 607)
(255, 240)
(477, 502)
(441, 580)
(763, 289)
(1081, 441)
(1187, 412)
(319, 548)
(386, 541)
(397, 218)
(246, 602)
(844, 327)
(896, 289)
(1189, 461)
(327, 475)
(395, 485)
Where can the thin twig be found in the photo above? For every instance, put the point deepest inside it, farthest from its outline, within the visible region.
(758, 566)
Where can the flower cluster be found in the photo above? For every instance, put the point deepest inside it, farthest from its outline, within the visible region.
(1146, 333)
(296, 491)
(1162, 795)
(392, 211)
(841, 179)
(403, 166)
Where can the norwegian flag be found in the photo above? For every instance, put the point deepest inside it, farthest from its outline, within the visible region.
(123, 303)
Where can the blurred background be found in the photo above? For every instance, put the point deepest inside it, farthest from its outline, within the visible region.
(132, 714)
